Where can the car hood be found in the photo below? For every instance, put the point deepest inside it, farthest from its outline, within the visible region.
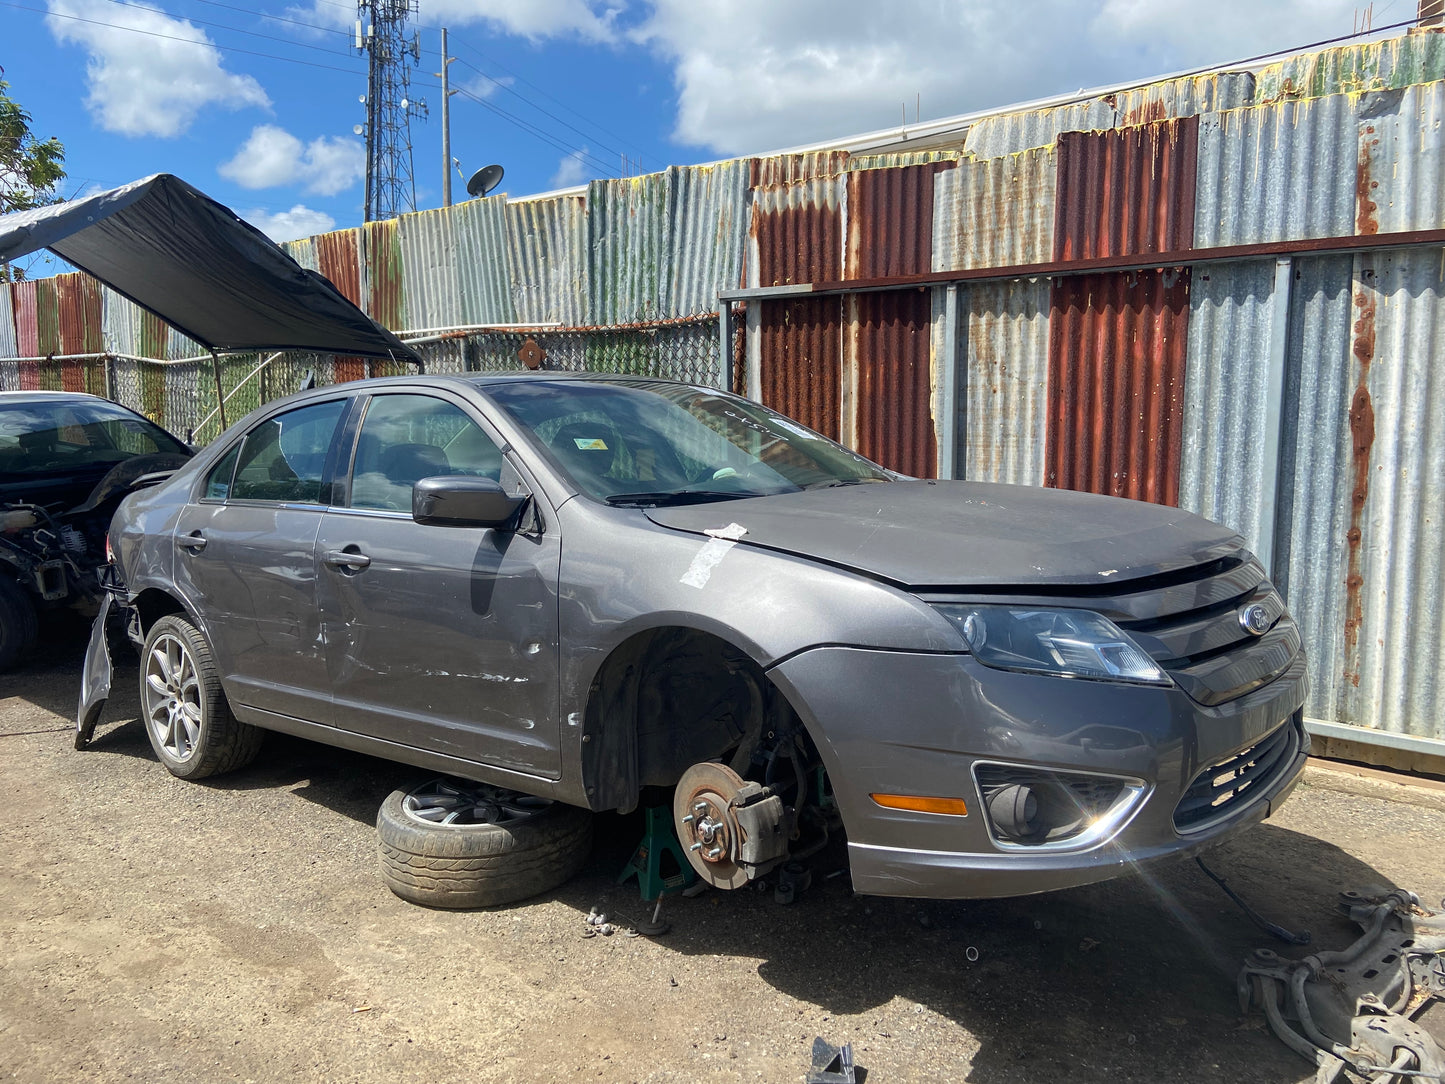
(961, 534)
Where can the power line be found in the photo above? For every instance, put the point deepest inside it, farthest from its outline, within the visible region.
(232, 29)
(582, 154)
(174, 37)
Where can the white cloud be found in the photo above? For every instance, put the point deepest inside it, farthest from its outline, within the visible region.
(141, 84)
(754, 75)
(483, 86)
(300, 221)
(571, 170)
(272, 157)
(535, 20)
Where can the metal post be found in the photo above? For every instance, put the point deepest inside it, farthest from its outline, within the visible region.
(725, 344)
(220, 395)
(446, 126)
(948, 386)
(753, 353)
(1274, 410)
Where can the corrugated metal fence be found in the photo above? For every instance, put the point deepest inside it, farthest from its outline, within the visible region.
(989, 312)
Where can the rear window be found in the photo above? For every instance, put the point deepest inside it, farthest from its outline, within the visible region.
(39, 437)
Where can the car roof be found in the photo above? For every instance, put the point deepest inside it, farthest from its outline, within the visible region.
(38, 396)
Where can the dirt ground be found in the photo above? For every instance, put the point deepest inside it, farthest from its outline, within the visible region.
(237, 929)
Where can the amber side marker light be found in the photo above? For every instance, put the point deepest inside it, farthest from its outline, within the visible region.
(954, 807)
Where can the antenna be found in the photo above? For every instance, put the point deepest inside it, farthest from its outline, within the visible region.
(483, 181)
(390, 188)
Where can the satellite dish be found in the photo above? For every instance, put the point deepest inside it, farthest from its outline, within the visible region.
(484, 180)
(357, 129)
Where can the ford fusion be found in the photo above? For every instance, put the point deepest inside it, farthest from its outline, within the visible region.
(583, 592)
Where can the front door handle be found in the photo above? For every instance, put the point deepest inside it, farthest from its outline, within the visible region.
(346, 560)
(192, 543)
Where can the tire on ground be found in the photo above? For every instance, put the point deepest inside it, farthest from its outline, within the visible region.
(225, 743)
(479, 865)
(18, 627)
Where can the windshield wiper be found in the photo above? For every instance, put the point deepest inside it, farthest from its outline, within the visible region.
(844, 482)
(675, 496)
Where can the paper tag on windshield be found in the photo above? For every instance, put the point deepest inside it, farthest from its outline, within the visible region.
(590, 444)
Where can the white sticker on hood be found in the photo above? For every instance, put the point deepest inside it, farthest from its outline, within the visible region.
(720, 540)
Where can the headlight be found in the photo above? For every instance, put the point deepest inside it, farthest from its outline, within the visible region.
(1068, 643)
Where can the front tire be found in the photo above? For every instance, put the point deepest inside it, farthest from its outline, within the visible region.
(187, 718)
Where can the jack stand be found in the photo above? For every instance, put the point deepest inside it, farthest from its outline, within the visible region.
(658, 841)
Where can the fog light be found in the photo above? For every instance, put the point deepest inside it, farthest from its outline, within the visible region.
(1054, 809)
(1014, 810)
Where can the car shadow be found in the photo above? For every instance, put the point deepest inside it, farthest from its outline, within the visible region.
(1109, 981)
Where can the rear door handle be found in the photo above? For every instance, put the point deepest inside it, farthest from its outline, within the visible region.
(191, 543)
(346, 560)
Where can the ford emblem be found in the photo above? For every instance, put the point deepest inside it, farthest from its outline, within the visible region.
(1254, 619)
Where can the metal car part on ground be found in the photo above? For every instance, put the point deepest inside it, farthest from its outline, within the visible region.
(66, 460)
(598, 589)
(1355, 1009)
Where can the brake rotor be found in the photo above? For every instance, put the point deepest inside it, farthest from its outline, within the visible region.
(705, 825)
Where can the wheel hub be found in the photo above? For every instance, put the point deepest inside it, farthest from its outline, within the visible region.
(706, 828)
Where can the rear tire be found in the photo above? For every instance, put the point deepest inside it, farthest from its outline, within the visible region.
(18, 625)
(531, 845)
(186, 715)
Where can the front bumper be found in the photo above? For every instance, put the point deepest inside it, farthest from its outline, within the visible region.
(902, 723)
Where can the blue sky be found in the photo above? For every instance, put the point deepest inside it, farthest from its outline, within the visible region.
(257, 104)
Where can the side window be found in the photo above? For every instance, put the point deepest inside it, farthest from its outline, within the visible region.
(284, 457)
(405, 438)
(218, 482)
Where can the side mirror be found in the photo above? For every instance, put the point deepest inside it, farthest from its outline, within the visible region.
(462, 500)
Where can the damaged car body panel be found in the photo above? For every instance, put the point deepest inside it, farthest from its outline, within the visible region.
(990, 690)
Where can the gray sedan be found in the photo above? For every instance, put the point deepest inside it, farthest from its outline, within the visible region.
(569, 592)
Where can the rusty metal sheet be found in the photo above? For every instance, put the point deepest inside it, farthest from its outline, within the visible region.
(1011, 133)
(1277, 173)
(337, 258)
(890, 222)
(1416, 57)
(1400, 163)
(791, 168)
(797, 236)
(1126, 192)
(1117, 349)
(889, 362)
(383, 283)
(802, 349)
(78, 297)
(996, 212)
(1005, 409)
(27, 332)
(797, 233)
(303, 251)
(1392, 674)
(547, 261)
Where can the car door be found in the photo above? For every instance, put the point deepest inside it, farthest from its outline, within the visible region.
(245, 558)
(440, 638)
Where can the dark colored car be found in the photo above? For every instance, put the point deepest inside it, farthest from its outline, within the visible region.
(66, 459)
(612, 591)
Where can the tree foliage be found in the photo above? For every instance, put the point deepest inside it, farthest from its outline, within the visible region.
(30, 168)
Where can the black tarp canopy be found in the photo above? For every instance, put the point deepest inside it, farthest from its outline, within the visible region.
(194, 263)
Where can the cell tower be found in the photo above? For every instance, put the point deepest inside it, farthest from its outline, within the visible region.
(381, 34)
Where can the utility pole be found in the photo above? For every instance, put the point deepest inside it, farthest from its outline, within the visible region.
(381, 34)
(446, 125)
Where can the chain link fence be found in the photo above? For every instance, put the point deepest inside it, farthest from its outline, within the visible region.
(181, 395)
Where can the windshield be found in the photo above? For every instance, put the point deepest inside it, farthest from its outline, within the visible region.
(56, 436)
(650, 442)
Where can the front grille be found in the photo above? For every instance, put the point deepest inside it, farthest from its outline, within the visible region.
(1235, 781)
